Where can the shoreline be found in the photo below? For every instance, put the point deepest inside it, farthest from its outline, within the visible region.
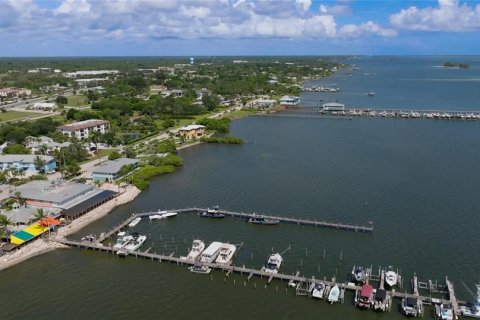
(43, 245)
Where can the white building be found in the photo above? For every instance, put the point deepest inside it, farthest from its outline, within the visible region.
(14, 92)
(82, 129)
(44, 106)
(289, 101)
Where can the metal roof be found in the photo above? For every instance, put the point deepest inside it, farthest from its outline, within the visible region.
(51, 191)
(28, 158)
(88, 203)
(113, 166)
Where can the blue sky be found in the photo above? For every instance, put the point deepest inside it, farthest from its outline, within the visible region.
(238, 27)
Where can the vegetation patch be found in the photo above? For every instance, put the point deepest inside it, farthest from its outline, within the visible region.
(224, 140)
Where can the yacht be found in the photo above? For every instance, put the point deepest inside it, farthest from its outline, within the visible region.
(273, 264)
(132, 245)
(200, 269)
(317, 290)
(212, 213)
(211, 253)
(412, 307)
(359, 274)
(197, 247)
(162, 215)
(226, 254)
(364, 297)
(371, 94)
(122, 240)
(134, 222)
(391, 278)
(444, 312)
(262, 220)
(472, 310)
(334, 294)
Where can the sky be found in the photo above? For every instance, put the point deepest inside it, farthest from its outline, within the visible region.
(237, 27)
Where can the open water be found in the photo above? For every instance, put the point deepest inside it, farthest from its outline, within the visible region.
(416, 180)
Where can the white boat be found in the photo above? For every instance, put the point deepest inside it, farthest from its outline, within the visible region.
(226, 254)
(211, 253)
(444, 312)
(334, 294)
(391, 278)
(162, 215)
(197, 247)
(200, 269)
(134, 222)
(472, 310)
(412, 307)
(273, 264)
(135, 243)
(317, 290)
(122, 240)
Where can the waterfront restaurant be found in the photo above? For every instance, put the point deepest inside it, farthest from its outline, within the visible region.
(289, 101)
(333, 106)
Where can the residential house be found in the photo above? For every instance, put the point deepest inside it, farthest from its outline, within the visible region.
(110, 170)
(192, 132)
(14, 92)
(82, 129)
(26, 162)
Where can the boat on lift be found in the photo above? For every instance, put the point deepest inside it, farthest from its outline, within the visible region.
(122, 240)
(198, 268)
(262, 220)
(359, 274)
(226, 254)
(162, 215)
(197, 248)
(317, 290)
(134, 222)
(472, 310)
(334, 294)
(391, 277)
(211, 213)
(273, 264)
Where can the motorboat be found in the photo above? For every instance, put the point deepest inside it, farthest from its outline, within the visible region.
(273, 264)
(412, 307)
(317, 290)
(197, 247)
(134, 222)
(162, 215)
(472, 310)
(391, 278)
(334, 294)
(137, 242)
(262, 220)
(364, 297)
(89, 238)
(211, 213)
(226, 254)
(200, 269)
(122, 240)
(359, 274)
(381, 301)
(211, 253)
(444, 312)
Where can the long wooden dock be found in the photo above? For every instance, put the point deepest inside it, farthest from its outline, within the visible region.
(249, 272)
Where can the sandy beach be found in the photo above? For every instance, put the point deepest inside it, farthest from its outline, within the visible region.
(41, 245)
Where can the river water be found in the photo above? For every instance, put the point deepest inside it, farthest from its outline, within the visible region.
(416, 180)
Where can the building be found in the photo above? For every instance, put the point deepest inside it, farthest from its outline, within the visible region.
(333, 106)
(176, 93)
(44, 106)
(110, 170)
(82, 129)
(289, 101)
(26, 162)
(262, 103)
(14, 92)
(48, 147)
(21, 216)
(90, 73)
(193, 131)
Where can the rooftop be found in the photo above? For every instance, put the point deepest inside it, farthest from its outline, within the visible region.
(192, 127)
(113, 166)
(21, 215)
(82, 125)
(57, 192)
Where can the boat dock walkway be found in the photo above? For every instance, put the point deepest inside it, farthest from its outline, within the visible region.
(395, 112)
(245, 215)
(249, 272)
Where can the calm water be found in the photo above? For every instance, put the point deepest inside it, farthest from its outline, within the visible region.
(405, 82)
(417, 180)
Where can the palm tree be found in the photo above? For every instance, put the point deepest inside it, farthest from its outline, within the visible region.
(21, 200)
(4, 223)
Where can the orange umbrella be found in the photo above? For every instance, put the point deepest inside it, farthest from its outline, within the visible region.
(49, 221)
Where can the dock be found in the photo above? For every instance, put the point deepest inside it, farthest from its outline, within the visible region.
(288, 278)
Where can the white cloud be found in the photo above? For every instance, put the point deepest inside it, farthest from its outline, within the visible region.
(195, 12)
(76, 7)
(303, 4)
(449, 15)
(335, 9)
(367, 28)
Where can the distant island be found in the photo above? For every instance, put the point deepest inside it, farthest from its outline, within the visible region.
(456, 65)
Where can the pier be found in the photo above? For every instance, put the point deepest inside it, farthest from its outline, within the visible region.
(301, 281)
(383, 112)
(244, 215)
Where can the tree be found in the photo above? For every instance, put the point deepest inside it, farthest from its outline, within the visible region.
(130, 153)
(16, 149)
(40, 214)
(16, 137)
(114, 155)
(4, 223)
(72, 169)
(95, 138)
(61, 100)
(39, 164)
(210, 102)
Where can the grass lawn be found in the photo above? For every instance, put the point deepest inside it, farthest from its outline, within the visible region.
(14, 115)
(77, 101)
